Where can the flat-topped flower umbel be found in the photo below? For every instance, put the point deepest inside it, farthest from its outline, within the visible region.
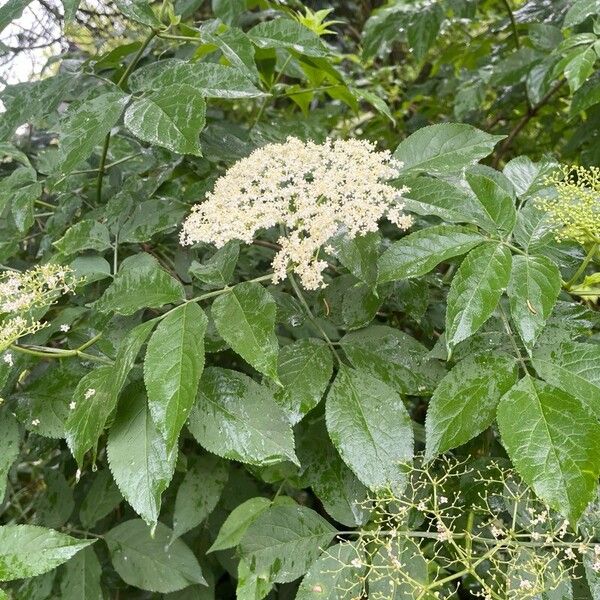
(314, 191)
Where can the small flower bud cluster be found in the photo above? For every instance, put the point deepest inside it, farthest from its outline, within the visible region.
(575, 208)
(20, 293)
(314, 191)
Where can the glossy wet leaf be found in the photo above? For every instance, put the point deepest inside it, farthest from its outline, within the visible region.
(218, 270)
(141, 282)
(464, 403)
(85, 235)
(444, 148)
(476, 290)
(283, 541)
(555, 455)
(172, 368)
(369, 425)
(236, 418)
(288, 34)
(533, 288)
(81, 577)
(421, 251)
(394, 357)
(304, 369)
(139, 461)
(172, 117)
(29, 550)
(152, 562)
(245, 319)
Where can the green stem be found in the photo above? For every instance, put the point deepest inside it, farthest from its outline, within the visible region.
(311, 316)
(46, 204)
(182, 38)
(511, 335)
(46, 352)
(121, 83)
(582, 266)
(513, 24)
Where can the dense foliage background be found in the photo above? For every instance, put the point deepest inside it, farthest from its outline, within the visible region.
(174, 425)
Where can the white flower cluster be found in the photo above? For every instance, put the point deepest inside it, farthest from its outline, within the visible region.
(314, 191)
(20, 293)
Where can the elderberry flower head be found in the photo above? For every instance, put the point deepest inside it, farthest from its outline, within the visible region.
(575, 209)
(314, 191)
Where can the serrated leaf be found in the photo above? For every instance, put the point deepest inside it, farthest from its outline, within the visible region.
(86, 126)
(343, 496)
(394, 357)
(431, 196)
(29, 550)
(81, 577)
(587, 95)
(171, 117)
(497, 200)
(199, 493)
(333, 576)
(141, 282)
(572, 367)
(579, 68)
(421, 251)
(533, 230)
(423, 28)
(210, 80)
(138, 458)
(358, 255)
(139, 11)
(464, 403)
(533, 288)
(10, 439)
(55, 506)
(288, 34)
(304, 369)
(580, 10)
(152, 562)
(84, 235)
(556, 455)
(284, 541)
(245, 319)
(476, 290)
(173, 367)
(369, 425)
(239, 519)
(218, 270)
(102, 497)
(444, 148)
(237, 418)
(94, 401)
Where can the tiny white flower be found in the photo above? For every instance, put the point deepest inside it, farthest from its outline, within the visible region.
(8, 359)
(596, 566)
(35, 422)
(72, 405)
(443, 500)
(89, 393)
(497, 532)
(570, 554)
(525, 584)
(421, 506)
(64, 328)
(356, 563)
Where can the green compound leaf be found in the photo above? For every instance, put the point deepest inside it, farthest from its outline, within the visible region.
(284, 541)
(245, 319)
(86, 126)
(304, 369)
(237, 418)
(141, 282)
(199, 493)
(171, 117)
(421, 251)
(533, 288)
(152, 561)
(84, 235)
(369, 425)
(29, 550)
(572, 367)
(476, 290)
(138, 458)
(555, 454)
(464, 403)
(173, 367)
(445, 148)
